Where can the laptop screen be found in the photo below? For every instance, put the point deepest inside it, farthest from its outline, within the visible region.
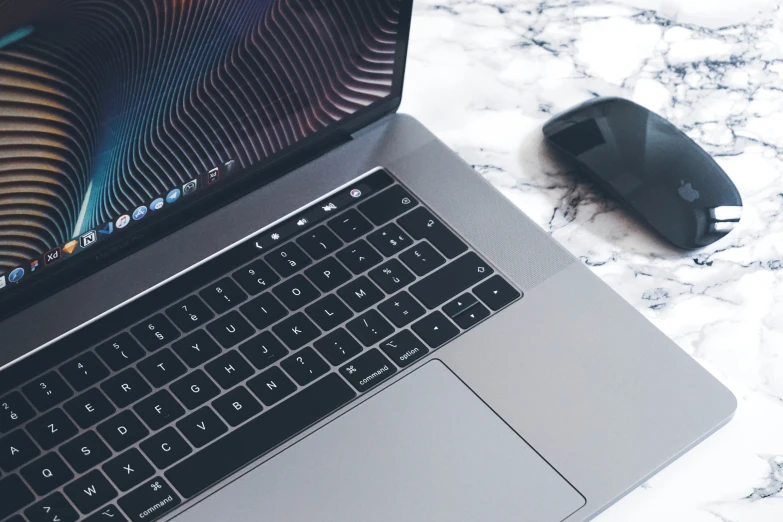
(117, 113)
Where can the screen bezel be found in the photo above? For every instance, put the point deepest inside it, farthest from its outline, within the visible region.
(64, 275)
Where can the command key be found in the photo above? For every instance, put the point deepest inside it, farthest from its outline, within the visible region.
(368, 369)
(149, 501)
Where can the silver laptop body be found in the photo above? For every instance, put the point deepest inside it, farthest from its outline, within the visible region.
(550, 409)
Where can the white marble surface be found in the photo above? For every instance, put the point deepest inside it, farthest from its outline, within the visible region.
(485, 75)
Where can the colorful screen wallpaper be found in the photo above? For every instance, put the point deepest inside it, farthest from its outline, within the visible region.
(106, 105)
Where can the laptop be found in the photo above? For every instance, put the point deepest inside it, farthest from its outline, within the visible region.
(237, 285)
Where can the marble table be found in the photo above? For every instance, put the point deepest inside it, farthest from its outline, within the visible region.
(485, 75)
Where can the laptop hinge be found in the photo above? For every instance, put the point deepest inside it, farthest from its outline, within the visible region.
(323, 146)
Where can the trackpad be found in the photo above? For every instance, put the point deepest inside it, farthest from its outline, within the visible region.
(425, 449)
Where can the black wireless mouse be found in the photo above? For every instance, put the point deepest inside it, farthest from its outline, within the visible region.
(652, 167)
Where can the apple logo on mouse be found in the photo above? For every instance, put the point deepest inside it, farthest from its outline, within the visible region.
(687, 192)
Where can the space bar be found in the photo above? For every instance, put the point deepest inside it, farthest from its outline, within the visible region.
(260, 435)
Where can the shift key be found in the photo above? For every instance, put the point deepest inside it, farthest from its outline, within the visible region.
(150, 501)
(452, 279)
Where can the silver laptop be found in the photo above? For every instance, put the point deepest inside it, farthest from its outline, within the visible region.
(236, 285)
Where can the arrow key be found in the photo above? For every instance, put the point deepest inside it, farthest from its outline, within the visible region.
(53, 508)
(459, 305)
(435, 329)
(496, 292)
(472, 316)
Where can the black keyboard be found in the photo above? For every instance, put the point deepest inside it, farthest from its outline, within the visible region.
(325, 306)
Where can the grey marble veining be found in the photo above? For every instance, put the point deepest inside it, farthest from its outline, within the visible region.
(486, 75)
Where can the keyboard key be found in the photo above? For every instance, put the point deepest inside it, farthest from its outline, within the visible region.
(165, 448)
(367, 370)
(288, 259)
(457, 276)
(319, 242)
(229, 369)
(471, 317)
(47, 473)
(329, 312)
(392, 276)
(223, 295)
(53, 507)
(422, 259)
(272, 386)
(236, 406)
(388, 205)
(402, 309)
(435, 329)
(89, 408)
(120, 351)
(52, 428)
(496, 292)
(459, 305)
(155, 496)
(237, 448)
(328, 274)
(202, 427)
(338, 347)
(129, 469)
(263, 350)
(161, 368)
(15, 495)
(296, 292)
(390, 240)
(159, 410)
(296, 331)
(84, 371)
(195, 389)
(126, 388)
(350, 225)
(231, 329)
(370, 328)
(256, 277)
(404, 348)
(360, 294)
(264, 311)
(47, 391)
(122, 430)
(359, 257)
(190, 313)
(108, 513)
(85, 452)
(421, 224)
(17, 449)
(155, 332)
(196, 349)
(14, 411)
(90, 492)
(305, 366)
